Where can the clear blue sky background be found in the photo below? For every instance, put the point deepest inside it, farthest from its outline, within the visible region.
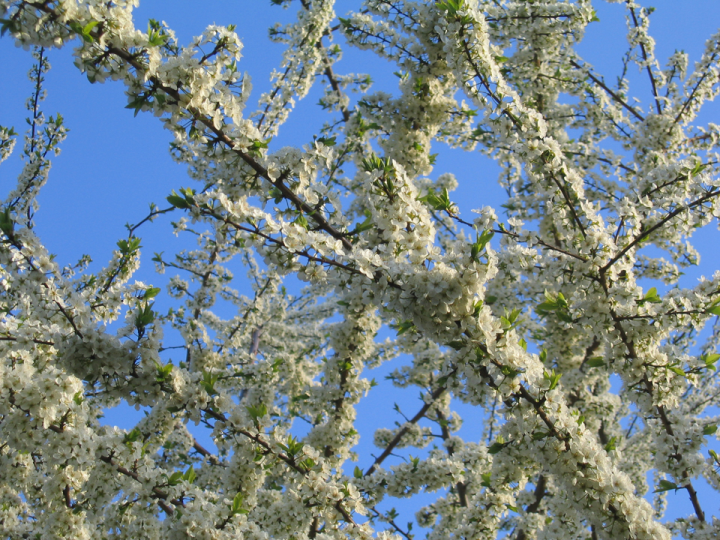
(113, 164)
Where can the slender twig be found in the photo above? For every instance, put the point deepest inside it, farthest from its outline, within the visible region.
(647, 66)
(612, 94)
(405, 428)
(655, 227)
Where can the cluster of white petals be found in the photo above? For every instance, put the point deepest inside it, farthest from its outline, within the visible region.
(595, 392)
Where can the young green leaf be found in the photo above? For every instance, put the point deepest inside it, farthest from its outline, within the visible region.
(651, 296)
(596, 361)
(666, 485)
(190, 475)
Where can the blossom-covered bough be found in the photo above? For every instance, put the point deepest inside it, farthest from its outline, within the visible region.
(604, 194)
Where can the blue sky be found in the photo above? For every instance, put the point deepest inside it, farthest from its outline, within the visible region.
(114, 164)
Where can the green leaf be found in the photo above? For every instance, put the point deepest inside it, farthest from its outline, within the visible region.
(555, 304)
(137, 103)
(596, 361)
(237, 505)
(307, 464)
(431, 199)
(257, 146)
(75, 27)
(375, 163)
(276, 195)
(177, 202)
(293, 446)
(710, 429)
(190, 475)
(145, 317)
(714, 307)
(302, 222)
(256, 412)
(327, 141)
(175, 478)
(552, 378)
(156, 40)
(700, 167)
(480, 242)
(89, 26)
(151, 292)
(83, 31)
(404, 327)
(497, 446)
(677, 370)
(651, 296)
(208, 382)
(365, 225)
(710, 360)
(156, 35)
(163, 372)
(7, 24)
(665, 485)
(439, 202)
(132, 436)
(7, 224)
(509, 372)
(510, 320)
(451, 7)
(486, 479)
(545, 307)
(611, 444)
(130, 246)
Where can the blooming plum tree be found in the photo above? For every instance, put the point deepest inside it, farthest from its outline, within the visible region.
(529, 319)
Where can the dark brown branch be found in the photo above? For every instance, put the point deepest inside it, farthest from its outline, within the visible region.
(692, 96)
(612, 94)
(655, 227)
(460, 486)
(392, 523)
(571, 206)
(647, 67)
(403, 430)
(66, 497)
(516, 236)
(157, 492)
(533, 507)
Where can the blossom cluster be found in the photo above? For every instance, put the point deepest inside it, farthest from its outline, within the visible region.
(531, 319)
